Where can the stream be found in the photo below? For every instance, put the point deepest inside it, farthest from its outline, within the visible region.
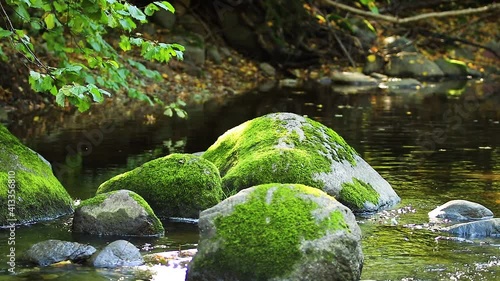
(433, 145)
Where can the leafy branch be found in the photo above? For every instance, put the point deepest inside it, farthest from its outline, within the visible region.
(89, 67)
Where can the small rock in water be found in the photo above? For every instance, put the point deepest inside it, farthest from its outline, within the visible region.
(53, 251)
(483, 228)
(116, 254)
(460, 210)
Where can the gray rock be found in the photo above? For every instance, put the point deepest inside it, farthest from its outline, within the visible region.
(483, 228)
(288, 148)
(452, 67)
(460, 210)
(405, 83)
(267, 69)
(214, 55)
(121, 212)
(278, 232)
(116, 254)
(373, 63)
(194, 45)
(353, 78)
(239, 35)
(289, 83)
(52, 251)
(195, 54)
(412, 65)
(164, 18)
(191, 23)
(363, 31)
(396, 44)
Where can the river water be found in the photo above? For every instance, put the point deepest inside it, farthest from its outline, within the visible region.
(433, 145)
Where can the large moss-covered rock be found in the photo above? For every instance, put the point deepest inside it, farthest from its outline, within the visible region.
(278, 232)
(29, 191)
(177, 185)
(412, 65)
(121, 212)
(288, 148)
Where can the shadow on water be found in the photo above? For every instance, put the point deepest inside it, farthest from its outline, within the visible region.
(431, 145)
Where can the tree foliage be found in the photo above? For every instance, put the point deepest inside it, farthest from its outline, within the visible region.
(88, 58)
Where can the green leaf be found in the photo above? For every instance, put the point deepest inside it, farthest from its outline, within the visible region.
(96, 94)
(168, 112)
(35, 75)
(136, 13)
(23, 13)
(165, 6)
(5, 33)
(125, 43)
(104, 92)
(127, 24)
(113, 63)
(180, 112)
(61, 95)
(47, 83)
(151, 9)
(50, 21)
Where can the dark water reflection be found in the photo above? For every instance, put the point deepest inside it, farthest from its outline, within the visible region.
(432, 146)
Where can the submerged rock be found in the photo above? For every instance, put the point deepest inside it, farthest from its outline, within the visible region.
(52, 251)
(178, 185)
(288, 148)
(120, 212)
(29, 191)
(483, 228)
(460, 210)
(116, 254)
(278, 232)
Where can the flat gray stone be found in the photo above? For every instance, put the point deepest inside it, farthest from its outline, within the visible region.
(53, 251)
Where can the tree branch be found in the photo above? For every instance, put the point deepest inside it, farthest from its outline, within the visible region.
(491, 7)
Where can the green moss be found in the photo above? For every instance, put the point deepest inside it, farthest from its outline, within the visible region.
(39, 195)
(344, 150)
(96, 200)
(175, 185)
(157, 225)
(261, 240)
(357, 192)
(263, 150)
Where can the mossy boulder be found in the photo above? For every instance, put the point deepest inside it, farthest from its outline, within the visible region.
(288, 148)
(177, 185)
(412, 65)
(121, 212)
(29, 191)
(278, 232)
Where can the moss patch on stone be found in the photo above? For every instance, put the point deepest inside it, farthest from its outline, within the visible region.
(39, 195)
(175, 185)
(261, 237)
(357, 193)
(157, 226)
(96, 200)
(267, 149)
